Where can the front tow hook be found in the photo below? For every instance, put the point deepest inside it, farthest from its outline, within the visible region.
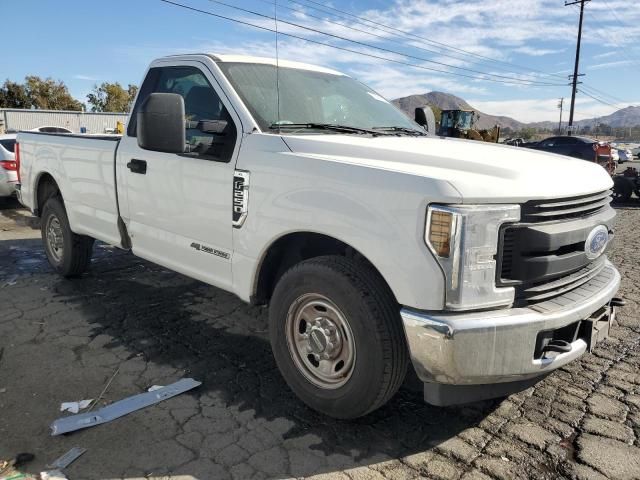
(618, 302)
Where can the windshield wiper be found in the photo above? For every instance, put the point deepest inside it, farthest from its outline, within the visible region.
(325, 126)
(410, 131)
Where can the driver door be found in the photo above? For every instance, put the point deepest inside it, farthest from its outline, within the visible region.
(177, 207)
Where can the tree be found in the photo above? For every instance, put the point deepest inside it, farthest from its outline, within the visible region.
(526, 133)
(50, 94)
(112, 97)
(14, 95)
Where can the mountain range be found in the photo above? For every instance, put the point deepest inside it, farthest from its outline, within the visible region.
(626, 117)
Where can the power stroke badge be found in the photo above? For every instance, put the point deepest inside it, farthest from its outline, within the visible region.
(213, 251)
(240, 197)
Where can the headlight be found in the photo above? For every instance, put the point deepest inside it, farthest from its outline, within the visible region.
(464, 240)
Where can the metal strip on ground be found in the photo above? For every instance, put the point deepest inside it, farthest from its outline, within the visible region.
(67, 459)
(121, 407)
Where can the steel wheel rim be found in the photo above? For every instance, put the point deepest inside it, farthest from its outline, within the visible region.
(320, 341)
(55, 242)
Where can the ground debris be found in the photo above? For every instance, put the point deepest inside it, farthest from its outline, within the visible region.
(121, 407)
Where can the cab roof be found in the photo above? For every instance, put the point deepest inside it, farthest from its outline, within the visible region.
(272, 61)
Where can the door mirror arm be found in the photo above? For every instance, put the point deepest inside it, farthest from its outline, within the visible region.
(215, 127)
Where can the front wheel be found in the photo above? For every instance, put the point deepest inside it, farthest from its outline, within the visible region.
(68, 253)
(337, 336)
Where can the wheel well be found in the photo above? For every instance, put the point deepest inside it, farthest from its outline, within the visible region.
(47, 188)
(294, 248)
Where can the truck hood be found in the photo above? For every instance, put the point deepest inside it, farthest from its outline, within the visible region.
(481, 172)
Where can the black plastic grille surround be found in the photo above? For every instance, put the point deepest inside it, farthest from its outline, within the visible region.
(543, 255)
(565, 208)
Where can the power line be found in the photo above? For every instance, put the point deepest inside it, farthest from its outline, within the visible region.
(613, 12)
(371, 33)
(370, 55)
(599, 100)
(611, 40)
(410, 34)
(387, 50)
(596, 91)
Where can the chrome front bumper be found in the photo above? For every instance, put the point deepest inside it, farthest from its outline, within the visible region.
(498, 346)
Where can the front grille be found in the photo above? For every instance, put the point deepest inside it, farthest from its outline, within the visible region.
(536, 211)
(543, 256)
(538, 292)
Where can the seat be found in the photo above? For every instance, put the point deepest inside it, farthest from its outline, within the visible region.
(202, 103)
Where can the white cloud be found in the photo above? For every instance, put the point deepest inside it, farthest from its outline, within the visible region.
(545, 109)
(85, 77)
(531, 110)
(619, 63)
(519, 31)
(538, 52)
(606, 54)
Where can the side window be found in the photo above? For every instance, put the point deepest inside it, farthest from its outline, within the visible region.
(565, 141)
(210, 130)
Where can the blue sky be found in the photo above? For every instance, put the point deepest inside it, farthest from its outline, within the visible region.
(85, 42)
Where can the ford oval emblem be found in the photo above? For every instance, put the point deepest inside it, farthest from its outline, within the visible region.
(596, 242)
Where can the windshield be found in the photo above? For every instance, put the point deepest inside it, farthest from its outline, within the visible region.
(310, 97)
(457, 119)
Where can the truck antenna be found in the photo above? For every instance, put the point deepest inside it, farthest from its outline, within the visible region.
(275, 19)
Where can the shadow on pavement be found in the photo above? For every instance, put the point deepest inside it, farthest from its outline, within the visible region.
(172, 320)
(10, 203)
(632, 203)
(12, 209)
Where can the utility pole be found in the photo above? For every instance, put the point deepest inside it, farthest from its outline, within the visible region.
(560, 104)
(574, 77)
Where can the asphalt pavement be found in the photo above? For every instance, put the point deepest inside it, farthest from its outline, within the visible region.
(141, 325)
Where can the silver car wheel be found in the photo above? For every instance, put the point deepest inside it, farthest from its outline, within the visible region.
(55, 241)
(320, 341)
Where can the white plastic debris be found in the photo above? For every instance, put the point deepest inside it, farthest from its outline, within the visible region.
(75, 407)
(154, 387)
(53, 475)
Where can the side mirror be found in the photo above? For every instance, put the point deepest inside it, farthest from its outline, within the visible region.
(160, 123)
(424, 116)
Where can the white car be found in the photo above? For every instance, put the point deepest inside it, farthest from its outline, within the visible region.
(8, 167)
(51, 129)
(374, 243)
(624, 155)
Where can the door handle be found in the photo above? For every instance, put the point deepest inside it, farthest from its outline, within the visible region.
(137, 166)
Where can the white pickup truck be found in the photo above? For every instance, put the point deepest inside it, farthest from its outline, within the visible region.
(374, 244)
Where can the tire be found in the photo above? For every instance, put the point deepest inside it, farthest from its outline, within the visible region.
(351, 309)
(68, 253)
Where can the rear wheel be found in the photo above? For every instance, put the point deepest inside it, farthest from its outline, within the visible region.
(68, 253)
(337, 336)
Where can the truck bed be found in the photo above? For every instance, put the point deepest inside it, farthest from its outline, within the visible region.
(84, 168)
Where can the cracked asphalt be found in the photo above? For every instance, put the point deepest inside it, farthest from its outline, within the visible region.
(62, 340)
